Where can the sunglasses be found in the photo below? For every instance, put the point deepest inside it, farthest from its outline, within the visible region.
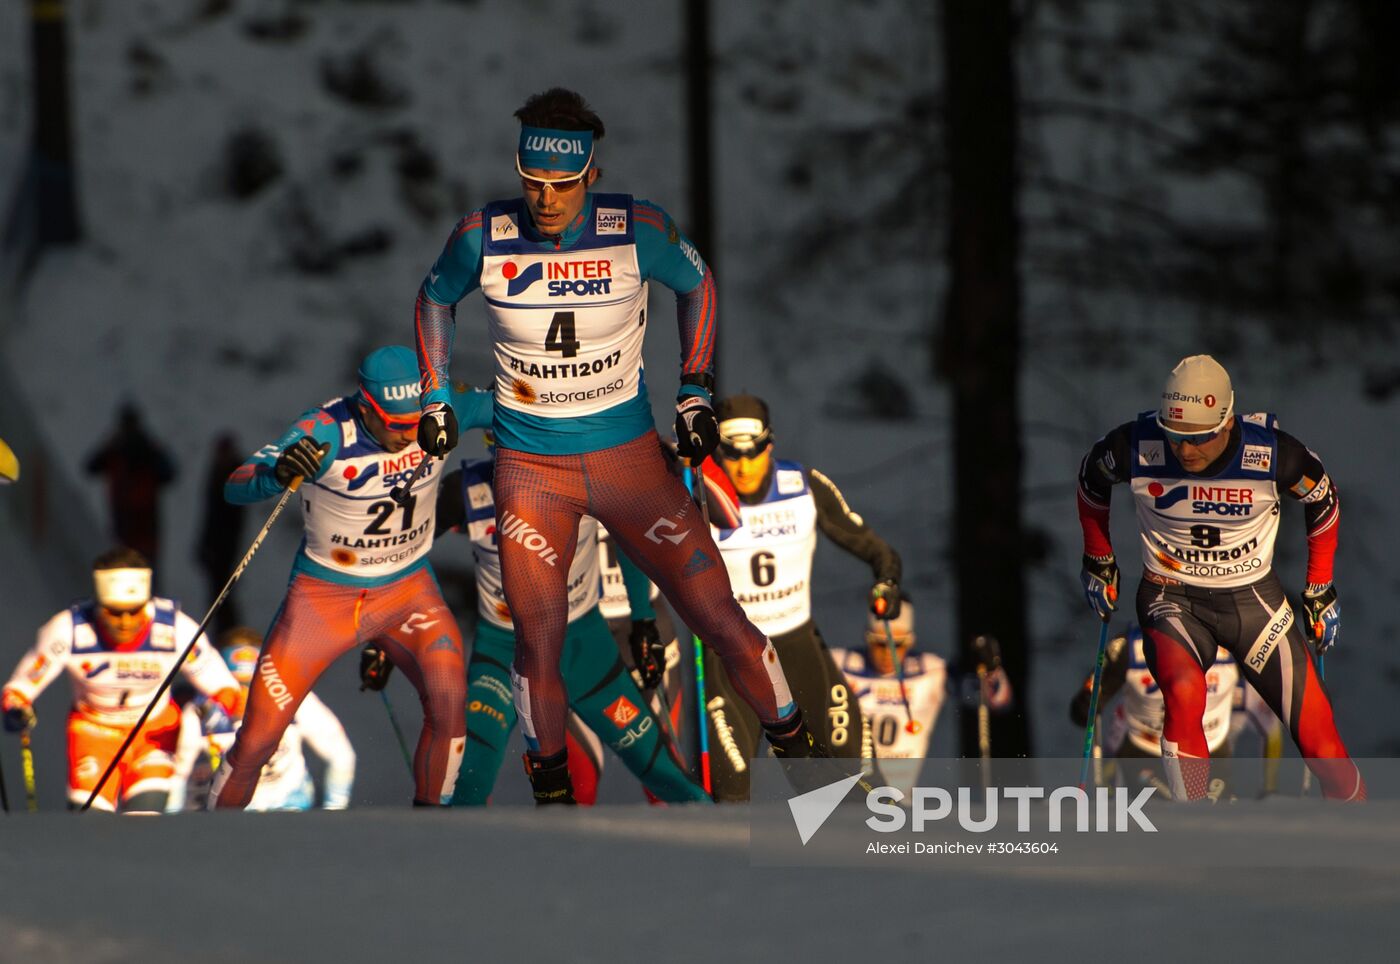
(1189, 438)
(399, 423)
(560, 185)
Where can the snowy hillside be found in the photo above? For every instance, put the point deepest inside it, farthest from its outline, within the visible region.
(231, 298)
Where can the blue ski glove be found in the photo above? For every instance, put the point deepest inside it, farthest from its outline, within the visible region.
(1099, 577)
(1324, 614)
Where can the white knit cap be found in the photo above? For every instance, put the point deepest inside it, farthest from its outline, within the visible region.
(122, 588)
(1198, 392)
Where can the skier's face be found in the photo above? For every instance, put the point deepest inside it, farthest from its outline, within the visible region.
(747, 473)
(879, 648)
(121, 626)
(554, 206)
(1198, 450)
(394, 438)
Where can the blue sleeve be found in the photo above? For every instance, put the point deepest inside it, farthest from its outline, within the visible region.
(473, 407)
(254, 481)
(454, 275)
(664, 254)
(668, 256)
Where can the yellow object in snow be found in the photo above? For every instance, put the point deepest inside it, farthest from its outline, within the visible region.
(9, 465)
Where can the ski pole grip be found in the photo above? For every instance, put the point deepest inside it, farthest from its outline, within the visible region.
(295, 483)
(881, 604)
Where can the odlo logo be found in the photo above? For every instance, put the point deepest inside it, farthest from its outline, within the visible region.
(621, 712)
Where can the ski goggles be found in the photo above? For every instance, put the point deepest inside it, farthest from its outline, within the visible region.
(743, 438)
(397, 422)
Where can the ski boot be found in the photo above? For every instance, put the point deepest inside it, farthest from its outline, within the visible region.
(800, 744)
(549, 779)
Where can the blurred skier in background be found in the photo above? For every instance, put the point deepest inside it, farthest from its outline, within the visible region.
(645, 632)
(117, 648)
(206, 733)
(1133, 730)
(768, 551)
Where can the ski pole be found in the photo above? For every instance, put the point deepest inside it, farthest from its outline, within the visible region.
(988, 653)
(398, 733)
(26, 757)
(1094, 705)
(702, 714)
(4, 793)
(663, 710)
(910, 725)
(399, 493)
(702, 709)
(218, 601)
(1098, 753)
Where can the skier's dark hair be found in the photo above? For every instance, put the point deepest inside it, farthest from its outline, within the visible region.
(120, 558)
(560, 109)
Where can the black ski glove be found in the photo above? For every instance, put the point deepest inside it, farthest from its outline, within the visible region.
(19, 716)
(1099, 577)
(374, 668)
(884, 599)
(1324, 614)
(697, 429)
(300, 459)
(437, 429)
(648, 652)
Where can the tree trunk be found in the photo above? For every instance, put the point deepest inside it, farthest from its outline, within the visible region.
(979, 352)
(699, 134)
(53, 170)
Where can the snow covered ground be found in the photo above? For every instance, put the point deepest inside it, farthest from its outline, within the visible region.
(636, 883)
(191, 302)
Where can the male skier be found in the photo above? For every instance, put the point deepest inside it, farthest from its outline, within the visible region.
(564, 274)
